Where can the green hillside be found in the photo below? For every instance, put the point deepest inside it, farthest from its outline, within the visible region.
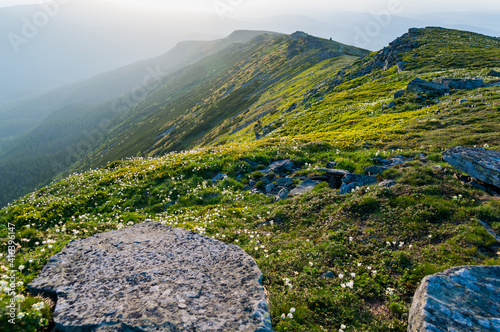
(354, 259)
(45, 135)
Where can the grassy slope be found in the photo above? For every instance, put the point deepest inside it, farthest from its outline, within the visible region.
(219, 88)
(389, 238)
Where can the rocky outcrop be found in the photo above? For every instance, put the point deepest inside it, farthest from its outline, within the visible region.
(460, 83)
(421, 86)
(459, 299)
(151, 277)
(481, 164)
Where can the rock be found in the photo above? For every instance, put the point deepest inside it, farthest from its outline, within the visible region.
(279, 166)
(459, 299)
(285, 182)
(283, 194)
(304, 187)
(477, 185)
(387, 183)
(334, 172)
(420, 86)
(219, 177)
(399, 94)
(252, 183)
(375, 170)
(490, 230)
(460, 83)
(361, 180)
(328, 275)
(348, 188)
(381, 161)
(481, 164)
(331, 165)
(270, 187)
(493, 73)
(422, 157)
(392, 104)
(152, 277)
(401, 66)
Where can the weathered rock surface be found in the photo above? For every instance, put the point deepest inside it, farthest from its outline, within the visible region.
(461, 299)
(460, 83)
(219, 177)
(152, 277)
(304, 187)
(387, 183)
(420, 86)
(481, 164)
(362, 180)
(280, 166)
(375, 170)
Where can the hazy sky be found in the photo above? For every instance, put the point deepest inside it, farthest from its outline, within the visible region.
(273, 7)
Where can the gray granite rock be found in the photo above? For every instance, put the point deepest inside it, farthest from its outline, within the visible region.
(460, 83)
(283, 194)
(481, 164)
(304, 187)
(420, 86)
(347, 188)
(387, 183)
(461, 299)
(334, 172)
(152, 277)
(284, 182)
(375, 170)
(362, 180)
(219, 177)
(280, 166)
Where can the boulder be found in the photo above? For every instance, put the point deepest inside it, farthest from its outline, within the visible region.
(283, 194)
(347, 188)
(284, 182)
(387, 183)
(375, 170)
(493, 73)
(331, 164)
(481, 164)
(334, 172)
(460, 83)
(152, 277)
(304, 187)
(280, 166)
(361, 180)
(399, 94)
(420, 86)
(270, 187)
(219, 177)
(459, 299)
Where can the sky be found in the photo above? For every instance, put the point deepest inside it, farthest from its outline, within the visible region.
(264, 7)
(85, 37)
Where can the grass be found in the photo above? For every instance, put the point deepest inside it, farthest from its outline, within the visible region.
(388, 238)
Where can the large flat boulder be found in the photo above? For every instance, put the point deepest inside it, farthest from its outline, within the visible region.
(481, 164)
(461, 299)
(152, 277)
